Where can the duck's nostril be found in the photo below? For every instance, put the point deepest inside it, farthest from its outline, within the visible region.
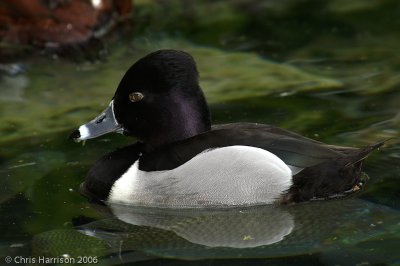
(98, 121)
(75, 135)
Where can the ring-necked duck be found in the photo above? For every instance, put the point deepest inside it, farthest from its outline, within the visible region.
(181, 160)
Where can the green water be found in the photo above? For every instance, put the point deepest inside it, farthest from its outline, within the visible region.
(326, 69)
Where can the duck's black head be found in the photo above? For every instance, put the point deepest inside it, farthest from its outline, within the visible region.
(158, 101)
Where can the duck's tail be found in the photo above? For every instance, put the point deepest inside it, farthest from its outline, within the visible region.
(331, 178)
(360, 154)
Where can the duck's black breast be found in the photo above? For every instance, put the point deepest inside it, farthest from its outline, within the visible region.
(107, 170)
(291, 148)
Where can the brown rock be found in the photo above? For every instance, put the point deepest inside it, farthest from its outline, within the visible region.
(59, 22)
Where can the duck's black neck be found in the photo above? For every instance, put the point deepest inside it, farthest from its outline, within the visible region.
(186, 119)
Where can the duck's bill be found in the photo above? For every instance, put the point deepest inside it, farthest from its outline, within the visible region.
(102, 124)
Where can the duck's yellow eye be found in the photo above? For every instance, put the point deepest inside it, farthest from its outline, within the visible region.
(135, 96)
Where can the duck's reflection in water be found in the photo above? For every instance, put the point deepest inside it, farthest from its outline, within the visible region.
(231, 227)
(244, 232)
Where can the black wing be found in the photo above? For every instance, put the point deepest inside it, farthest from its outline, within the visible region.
(290, 147)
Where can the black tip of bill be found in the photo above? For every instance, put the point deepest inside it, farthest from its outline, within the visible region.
(75, 135)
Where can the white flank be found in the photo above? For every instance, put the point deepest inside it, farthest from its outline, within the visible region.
(234, 175)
